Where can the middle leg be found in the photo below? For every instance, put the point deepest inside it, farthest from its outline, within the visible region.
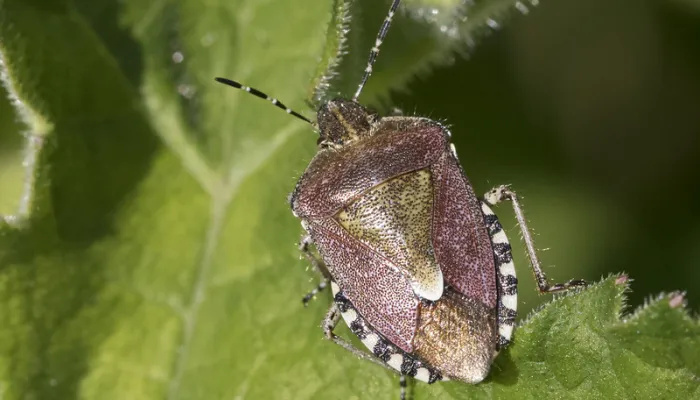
(317, 264)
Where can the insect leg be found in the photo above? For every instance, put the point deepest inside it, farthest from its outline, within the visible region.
(307, 297)
(402, 385)
(328, 325)
(503, 192)
(331, 321)
(317, 264)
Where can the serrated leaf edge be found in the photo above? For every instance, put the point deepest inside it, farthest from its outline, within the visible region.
(534, 314)
(337, 36)
(461, 34)
(35, 136)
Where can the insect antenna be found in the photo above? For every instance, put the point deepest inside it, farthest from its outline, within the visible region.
(256, 92)
(375, 50)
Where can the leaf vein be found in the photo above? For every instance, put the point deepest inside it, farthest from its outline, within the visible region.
(239, 171)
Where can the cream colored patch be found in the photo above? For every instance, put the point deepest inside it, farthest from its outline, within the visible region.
(394, 220)
(507, 269)
(499, 237)
(431, 288)
(349, 316)
(395, 361)
(422, 374)
(486, 209)
(506, 330)
(510, 301)
(370, 341)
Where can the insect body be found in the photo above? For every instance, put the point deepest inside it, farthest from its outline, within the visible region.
(420, 268)
(405, 243)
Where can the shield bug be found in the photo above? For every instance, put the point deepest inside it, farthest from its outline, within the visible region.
(420, 268)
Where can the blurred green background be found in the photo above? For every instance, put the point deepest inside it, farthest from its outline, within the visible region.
(590, 110)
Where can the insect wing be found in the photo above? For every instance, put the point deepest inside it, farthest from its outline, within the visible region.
(379, 292)
(394, 219)
(462, 245)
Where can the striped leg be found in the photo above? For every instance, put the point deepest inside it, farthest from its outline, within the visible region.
(317, 265)
(312, 294)
(328, 325)
(402, 385)
(501, 193)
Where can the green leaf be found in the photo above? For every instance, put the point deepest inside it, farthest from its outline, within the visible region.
(11, 170)
(154, 256)
(577, 347)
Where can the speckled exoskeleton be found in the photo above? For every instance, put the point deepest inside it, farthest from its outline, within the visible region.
(420, 268)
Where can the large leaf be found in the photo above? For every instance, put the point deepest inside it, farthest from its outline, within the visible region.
(154, 257)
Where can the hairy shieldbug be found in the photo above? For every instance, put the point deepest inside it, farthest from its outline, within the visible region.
(420, 268)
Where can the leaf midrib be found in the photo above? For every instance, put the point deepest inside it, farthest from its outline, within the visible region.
(221, 198)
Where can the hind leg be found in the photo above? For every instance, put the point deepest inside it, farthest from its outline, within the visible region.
(331, 321)
(502, 193)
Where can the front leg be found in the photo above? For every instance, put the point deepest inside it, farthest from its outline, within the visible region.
(317, 264)
(503, 192)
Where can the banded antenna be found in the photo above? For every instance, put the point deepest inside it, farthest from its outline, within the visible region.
(257, 93)
(375, 50)
(368, 70)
